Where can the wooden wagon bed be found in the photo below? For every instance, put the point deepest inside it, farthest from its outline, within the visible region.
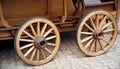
(17, 12)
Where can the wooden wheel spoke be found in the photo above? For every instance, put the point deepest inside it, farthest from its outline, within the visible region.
(102, 22)
(43, 54)
(91, 20)
(38, 55)
(28, 52)
(27, 40)
(96, 45)
(47, 50)
(88, 27)
(87, 33)
(28, 34)
(106, 35)
(101, 45)
(48, 32)
(92, 46)
(33, 54)
(43, 29)
(33, 31)
(51, 37)
(108, 30)
(104, 40)
(51, 44)
(97, 20)
(38, 28)
(88, 44)
(26, 46)
(86, 39)
(108, 24)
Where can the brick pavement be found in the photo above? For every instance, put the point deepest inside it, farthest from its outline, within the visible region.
(68, 57)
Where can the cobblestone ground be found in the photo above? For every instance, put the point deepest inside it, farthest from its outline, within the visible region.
(68, 57)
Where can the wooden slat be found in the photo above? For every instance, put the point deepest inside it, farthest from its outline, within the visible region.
(51, 37)
(29, 34)
(43, 29)
(86, 39)
(26, 46)
(33, 54)
(28, 52)
(100, 4)
(51, 44)
(3, 21)
(92, 46)
(87, 33)
(93, 24)
(101, 45)
(47, 50)
(88, 27)
(33, 30)
(48, 32)
(38, 55)
(88, 44)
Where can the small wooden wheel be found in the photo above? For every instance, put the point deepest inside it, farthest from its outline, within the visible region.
(101, 33)
(37, 41)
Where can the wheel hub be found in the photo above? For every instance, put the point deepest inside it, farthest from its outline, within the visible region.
(97, 34)
(40, 42)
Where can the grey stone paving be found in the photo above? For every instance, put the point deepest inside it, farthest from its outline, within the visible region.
(68, 57)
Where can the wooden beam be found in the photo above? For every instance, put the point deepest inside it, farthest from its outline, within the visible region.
(118, 9)
(3, 21)
(48, 7)
(64, 17)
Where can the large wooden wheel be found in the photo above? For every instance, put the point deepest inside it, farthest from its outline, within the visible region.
(101, 33)
(37, 41)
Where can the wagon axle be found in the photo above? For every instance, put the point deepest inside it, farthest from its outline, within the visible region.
(97, 33)
(40, 42)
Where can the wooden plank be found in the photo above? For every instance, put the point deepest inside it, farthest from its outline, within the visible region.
(7, 29)
(108, 6)
(5, 34)
(100, 4)
(118, 9)
(3, 21)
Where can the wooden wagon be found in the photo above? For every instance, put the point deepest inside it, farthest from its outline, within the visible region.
(37, 40)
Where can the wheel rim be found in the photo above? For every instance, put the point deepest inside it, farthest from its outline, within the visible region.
(41, 43)
(100, 34)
